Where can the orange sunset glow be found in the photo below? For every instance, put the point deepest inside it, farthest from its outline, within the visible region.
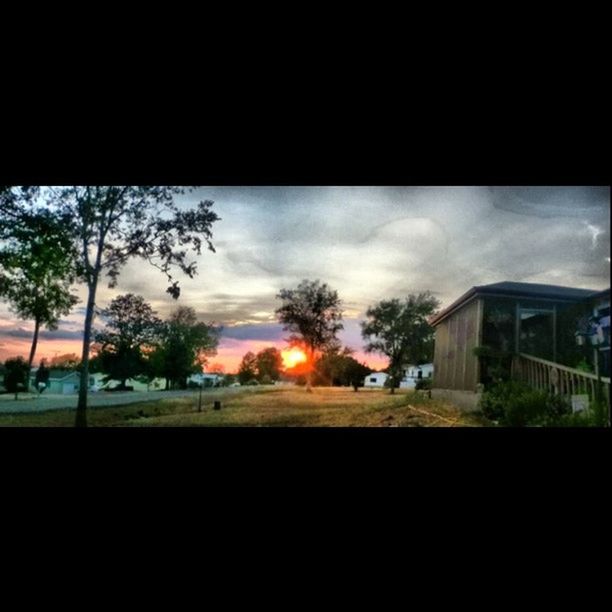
(293, 356)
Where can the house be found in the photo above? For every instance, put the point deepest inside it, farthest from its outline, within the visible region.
(375, 380)
(206, 380)
(61, 382)
(411, 374)
(99, 383)
(501, 321)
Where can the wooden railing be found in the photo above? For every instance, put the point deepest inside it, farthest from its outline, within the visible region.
(556, 378)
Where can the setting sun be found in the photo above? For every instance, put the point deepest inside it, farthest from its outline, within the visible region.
(293, 356)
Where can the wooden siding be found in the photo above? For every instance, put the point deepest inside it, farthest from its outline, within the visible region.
(455, 365)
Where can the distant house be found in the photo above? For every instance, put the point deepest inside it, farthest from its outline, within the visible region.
(375, 379)
(411, 373)
(514, 319)
(206, 380)
(99, 383)
(61, 382)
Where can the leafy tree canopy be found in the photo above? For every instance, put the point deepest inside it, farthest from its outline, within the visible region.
(400, 330)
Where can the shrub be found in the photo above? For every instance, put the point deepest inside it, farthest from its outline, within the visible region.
(16, 373)
(423, 384)
(584, 366)
(514, 404)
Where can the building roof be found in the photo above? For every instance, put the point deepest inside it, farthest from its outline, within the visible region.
(602, 294)
(512, 289)
(56, 374)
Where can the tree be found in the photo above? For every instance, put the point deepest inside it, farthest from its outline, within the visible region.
(312, 313)
(269, 364)
(329, 367)
(184, 345)
(16, 374)
(42, 377)
(131, 328)
(338, 367)
(113, 224)
(355, 373)
(248, 368)
(36, 268)
(400, 330)
(13, 200)
(228, 380)
(67, 361)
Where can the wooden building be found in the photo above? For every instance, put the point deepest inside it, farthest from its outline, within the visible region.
(505, 319)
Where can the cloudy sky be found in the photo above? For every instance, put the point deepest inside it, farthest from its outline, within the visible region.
(369, 243)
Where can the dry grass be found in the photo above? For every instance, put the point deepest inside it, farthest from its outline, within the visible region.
(270, 407)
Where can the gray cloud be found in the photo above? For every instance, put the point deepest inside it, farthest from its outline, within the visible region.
(60, 334)
(371, 243)
(266, 331)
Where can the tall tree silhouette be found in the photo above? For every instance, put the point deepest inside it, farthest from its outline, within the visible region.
(131, 327)
(312, 313)
(113, 224)
(37, 265)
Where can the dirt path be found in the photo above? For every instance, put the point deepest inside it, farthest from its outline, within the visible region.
(450, 422)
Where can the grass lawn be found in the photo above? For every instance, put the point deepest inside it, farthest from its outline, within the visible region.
(269, 406)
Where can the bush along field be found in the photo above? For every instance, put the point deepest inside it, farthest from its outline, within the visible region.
(515, 404)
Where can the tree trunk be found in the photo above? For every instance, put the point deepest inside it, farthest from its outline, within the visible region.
(309, 373)
(81, 411)
(33, 350)
(392, 385)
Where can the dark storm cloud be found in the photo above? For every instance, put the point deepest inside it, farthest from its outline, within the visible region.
(548, 202)
(266, 331)
(60, 334)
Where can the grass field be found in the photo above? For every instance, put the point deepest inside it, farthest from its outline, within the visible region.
(269, 407)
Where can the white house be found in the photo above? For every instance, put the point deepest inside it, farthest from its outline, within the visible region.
(99, 385)
(60, 382)
(375, 379)
(412, 373)
(206, 380)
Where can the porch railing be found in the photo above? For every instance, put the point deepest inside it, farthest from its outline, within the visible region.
(558, 379)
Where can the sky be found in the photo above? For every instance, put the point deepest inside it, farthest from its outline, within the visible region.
(368, 243)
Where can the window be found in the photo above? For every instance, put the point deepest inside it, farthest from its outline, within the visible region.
(373, 379)
(536, 332)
